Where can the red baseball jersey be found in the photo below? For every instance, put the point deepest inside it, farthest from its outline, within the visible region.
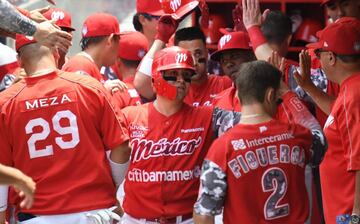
(264, 166)
(342, 157)
(84, 64)
(203, 94)
(56, 128)
(129, 97)
(228, 100)
(167, 153)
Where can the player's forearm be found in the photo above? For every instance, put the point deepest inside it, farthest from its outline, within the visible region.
(263, 52)
(8, 175)
(322, 100)
(13, 21)
(203, 219)
(356, 207)
(143, 85)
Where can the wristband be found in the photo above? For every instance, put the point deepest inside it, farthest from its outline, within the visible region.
(118, 171)
(146, 66)
(24, 12)
(256, 36)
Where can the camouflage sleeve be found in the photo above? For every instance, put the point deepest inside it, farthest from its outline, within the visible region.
(223, 120)
(13, 21)
(212, 190)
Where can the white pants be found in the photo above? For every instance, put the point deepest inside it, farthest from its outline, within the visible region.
(71, 218)
(127, 219)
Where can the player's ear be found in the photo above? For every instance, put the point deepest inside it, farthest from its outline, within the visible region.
(270, 95)
(331, 58)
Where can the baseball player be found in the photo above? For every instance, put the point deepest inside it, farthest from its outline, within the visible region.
(148, 13)
(132, 48)
(339, 172)
(255, 171)
(233, 50)
(203, 87)
(336, 9)
(55, 127)
(63, 20)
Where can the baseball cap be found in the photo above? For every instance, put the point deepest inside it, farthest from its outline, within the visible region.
(100, 24)
(62, 18)
(230, 41)
(132, 46)
(324, 2)
(341, 37)
(152, 7)
(21, 40)
(179, 8)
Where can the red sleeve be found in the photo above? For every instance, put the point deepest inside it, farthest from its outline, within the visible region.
(218, 153)
(348, 119)
(112, 124)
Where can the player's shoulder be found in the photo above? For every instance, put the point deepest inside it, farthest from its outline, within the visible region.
(12, 92)
(83, 81)
(133, 110)
(198, 110)
(297, 130)
(78, 63)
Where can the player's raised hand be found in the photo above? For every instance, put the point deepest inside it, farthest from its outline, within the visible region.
(303, 76)
(115, 85)
(252, 14)
(37, 14)
(48, 34)
(166, 27)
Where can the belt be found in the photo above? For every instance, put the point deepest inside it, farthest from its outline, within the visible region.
(25, 216)
(171, 220)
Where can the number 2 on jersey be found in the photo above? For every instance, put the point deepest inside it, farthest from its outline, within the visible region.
(48, 150)
(274, 179)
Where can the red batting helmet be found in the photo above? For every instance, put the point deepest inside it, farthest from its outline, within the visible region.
(178, 8)
(307, 31)
(213, 33)
(169, 58)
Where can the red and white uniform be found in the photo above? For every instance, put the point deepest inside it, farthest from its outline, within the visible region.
(83, 63)
(203, 94)
(228, 100)
(337, 171)
(163, 176)
(56, 128)
(264, 166)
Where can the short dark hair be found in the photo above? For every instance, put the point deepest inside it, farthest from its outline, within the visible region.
(137, 25)
(130, 63)
(254, 78)
(87, 41)
(189, 33)
(276, 27)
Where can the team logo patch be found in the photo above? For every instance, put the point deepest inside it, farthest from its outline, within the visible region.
(262, 129)
(297, 104)
(57, 15)
(181, 57)
(175, 4)
(238, 144)
(224, 40)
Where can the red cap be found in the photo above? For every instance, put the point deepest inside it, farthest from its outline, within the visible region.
(307, 30)
(152, 7)
(324, 2)
(179, 8)
(100, 24)
(230, 41)
(21, 41)
(62, 18)
(341, 37)
(132, 46)
(213, 34)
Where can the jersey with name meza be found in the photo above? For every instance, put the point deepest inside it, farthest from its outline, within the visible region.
(166, 157)
(56, 128)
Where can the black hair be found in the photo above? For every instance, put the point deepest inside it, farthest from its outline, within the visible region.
(87, 41)
(137, 25)
(189, 33)
(130, 63)
(254, 78)
(276, 27)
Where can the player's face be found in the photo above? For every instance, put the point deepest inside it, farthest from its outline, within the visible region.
(341, 8)
(181, 79)
(149, 24)
(231, 61)
(200, 54)
(111, 50)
